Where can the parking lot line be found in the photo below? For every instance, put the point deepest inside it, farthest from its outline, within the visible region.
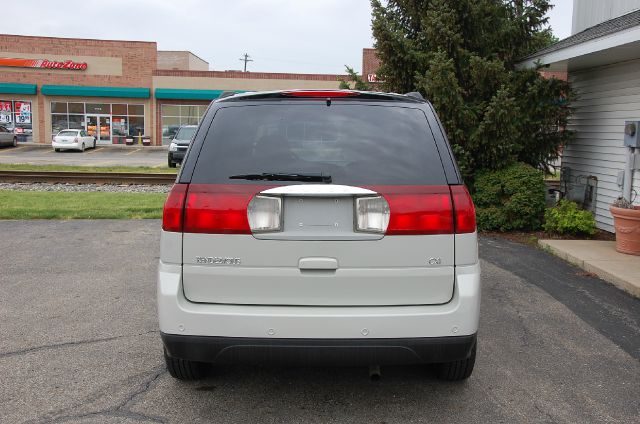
(97, 149)
(130, 153)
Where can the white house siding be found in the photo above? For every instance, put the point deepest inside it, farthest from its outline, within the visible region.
(587, 13)
(607, 97)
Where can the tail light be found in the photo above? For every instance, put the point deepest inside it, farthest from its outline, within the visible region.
(465, 212)
(172, 214)
(265, 214)
(321, 93)
(372, 214)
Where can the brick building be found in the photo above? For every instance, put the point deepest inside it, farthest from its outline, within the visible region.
(119, 89)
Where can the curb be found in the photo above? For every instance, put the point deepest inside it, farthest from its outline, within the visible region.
(105, 146)
(588, 266)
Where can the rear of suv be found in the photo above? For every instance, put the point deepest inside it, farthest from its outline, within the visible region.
(319, 227)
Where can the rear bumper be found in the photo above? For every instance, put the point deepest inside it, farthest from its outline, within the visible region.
(74, 146)
(352, 352)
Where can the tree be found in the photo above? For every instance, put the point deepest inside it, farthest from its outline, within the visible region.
(462, 56)
(359, 84)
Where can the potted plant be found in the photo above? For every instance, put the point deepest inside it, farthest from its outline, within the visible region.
(626, 220)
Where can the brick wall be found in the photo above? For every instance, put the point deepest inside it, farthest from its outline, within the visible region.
(370, 62)
(248, 75)
(138, 60)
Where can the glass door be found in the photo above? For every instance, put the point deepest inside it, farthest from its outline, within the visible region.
(99, 126)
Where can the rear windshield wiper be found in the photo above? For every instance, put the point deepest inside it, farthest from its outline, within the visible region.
(271, 176)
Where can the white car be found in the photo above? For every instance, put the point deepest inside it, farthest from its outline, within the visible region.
(73, 139)
(319, 227)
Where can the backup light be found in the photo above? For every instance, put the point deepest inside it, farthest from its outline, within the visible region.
(372, 214)
(265, 214)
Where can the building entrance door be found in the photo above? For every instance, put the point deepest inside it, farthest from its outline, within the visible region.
(99, 126)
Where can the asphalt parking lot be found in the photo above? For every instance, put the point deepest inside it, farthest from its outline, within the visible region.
(100, 156)
(79, 344)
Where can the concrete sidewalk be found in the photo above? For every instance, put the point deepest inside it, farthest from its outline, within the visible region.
(600, 258)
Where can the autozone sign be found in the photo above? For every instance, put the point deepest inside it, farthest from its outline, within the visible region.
(43, 63)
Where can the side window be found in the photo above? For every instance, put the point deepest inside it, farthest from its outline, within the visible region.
(82, 134)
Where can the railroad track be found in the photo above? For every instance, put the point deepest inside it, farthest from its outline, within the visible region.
(85, 177)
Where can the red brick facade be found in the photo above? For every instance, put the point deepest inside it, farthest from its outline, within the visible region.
(370, 63)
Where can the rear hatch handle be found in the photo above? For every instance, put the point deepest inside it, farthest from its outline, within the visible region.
(318, 263)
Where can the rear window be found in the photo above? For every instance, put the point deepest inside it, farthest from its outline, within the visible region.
(185, 133)
(354, 144)
(68, 133)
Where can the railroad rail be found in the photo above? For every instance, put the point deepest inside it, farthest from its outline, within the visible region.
(86, 177)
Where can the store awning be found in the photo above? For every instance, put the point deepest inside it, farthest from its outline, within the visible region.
(88, 91)
(187, 94)
(14, 88)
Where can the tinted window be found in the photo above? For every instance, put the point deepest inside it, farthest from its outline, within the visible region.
(185, 133)
(354, 144)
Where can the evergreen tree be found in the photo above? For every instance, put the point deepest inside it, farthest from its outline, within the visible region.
(462, 56)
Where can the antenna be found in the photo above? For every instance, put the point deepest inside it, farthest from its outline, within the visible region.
(245, 59)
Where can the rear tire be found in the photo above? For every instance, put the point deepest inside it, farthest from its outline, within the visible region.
(457, 370)
(171, 163)
(82, 148)
(56, 149)
(183, 369)
(15, 141)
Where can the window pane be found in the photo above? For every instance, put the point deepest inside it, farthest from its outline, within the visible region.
(76, 122)
(136, 110)
(170, 110)
(189, 120)
(119, 125)
(57, 107)
(76, 108)
(59, 122)
(188, 110)
(202, 110)
(119, 109)
(136, 125)
(170, 127)
(99, 108)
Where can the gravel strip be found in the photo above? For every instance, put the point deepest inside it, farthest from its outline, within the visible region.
(115, 188)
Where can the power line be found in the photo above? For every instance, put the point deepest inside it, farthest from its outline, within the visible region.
(245, 59)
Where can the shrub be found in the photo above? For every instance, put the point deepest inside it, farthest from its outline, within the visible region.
(566, 218)
(509, 199)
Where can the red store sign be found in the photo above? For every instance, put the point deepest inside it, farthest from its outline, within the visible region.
(43, 63)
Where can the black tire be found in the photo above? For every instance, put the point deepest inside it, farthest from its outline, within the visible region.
(15, 141)
(56, 149)
(457, 370)
(183, 369)
(82, 148)
(171, 163)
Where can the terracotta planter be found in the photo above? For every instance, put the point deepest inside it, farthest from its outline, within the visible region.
(627, 224)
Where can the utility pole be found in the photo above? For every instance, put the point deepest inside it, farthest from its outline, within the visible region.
(245, 59)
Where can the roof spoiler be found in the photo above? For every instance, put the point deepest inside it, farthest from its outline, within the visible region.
(415, 95)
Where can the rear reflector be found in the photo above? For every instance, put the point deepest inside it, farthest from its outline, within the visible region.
(174, 207)
(320, 93)
(465, 212)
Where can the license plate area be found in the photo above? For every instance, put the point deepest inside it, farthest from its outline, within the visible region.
(318, 218)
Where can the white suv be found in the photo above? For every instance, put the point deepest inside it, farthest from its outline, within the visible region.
(319, 227)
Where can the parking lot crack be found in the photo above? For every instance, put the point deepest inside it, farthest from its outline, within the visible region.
(72, 343)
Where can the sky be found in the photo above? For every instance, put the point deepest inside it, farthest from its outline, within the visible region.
(298, 36)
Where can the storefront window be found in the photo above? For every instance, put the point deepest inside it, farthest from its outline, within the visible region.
(115, 122)
(98, 108)
(173, 116)
(76, 108)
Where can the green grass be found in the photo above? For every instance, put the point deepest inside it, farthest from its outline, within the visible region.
(28, 167)
(79, 205)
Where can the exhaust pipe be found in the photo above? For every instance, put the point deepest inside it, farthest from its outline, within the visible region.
(374, 372)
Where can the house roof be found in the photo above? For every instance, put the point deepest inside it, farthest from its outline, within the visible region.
(612, 41)
(611, 26)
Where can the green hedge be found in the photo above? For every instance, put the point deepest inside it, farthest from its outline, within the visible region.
(566, 218)
(509, 199)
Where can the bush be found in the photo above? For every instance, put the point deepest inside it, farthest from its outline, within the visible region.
(509, 199)
(566, 218)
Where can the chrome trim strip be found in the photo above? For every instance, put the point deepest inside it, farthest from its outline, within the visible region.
(319, 190)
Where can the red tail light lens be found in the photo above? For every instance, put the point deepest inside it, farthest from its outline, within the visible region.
(320, 93)
(418, 210)
(219, 209)
(464, 209)
(174, 207)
